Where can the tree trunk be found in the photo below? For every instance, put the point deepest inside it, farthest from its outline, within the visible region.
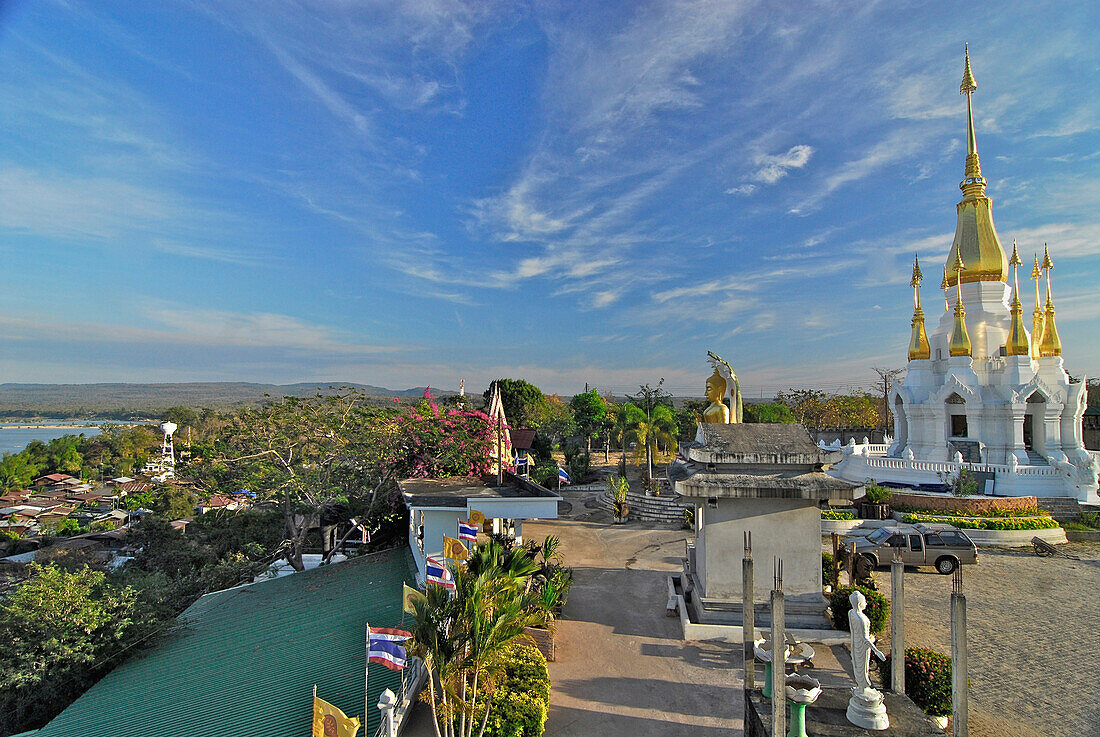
(485, 721)
(431, 697)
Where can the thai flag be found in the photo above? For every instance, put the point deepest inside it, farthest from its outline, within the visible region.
(563, 477)
(384, 646)
(467, 531)
(437, 573)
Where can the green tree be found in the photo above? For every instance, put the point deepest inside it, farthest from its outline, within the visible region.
(17, 471)
(649, 432)
(625, 416)
(772, 413)
(807, 406)
(57, 627)
(553, 418)
(589, 415)
(520, 399)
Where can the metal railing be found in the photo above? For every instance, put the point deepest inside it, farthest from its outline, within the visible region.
(413, 678)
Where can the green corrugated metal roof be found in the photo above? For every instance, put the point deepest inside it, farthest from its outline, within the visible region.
(243, 661)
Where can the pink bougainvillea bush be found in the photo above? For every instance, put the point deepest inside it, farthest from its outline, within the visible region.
(439, 442)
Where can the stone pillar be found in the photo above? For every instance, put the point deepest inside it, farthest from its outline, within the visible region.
(959, 706)
(779, 655)
(748, 615)
(897, 623)
(386, 703)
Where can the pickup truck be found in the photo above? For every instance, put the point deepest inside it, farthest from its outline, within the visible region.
(939, 545)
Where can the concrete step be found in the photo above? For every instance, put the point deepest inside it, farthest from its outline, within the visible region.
(1035, 459)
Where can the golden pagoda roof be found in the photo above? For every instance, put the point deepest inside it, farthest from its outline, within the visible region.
(976, 240)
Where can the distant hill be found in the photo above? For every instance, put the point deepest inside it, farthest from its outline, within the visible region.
(129, 401)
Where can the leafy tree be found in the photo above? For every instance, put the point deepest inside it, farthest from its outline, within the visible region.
(520, 399)
(553, 418)
(17, 471)
(807, 406)
(57, 628)
(174, 501)
(625, 416)
(649, 432)
(771, 413)
(589, 415)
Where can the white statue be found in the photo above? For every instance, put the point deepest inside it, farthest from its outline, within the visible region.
(865, 708)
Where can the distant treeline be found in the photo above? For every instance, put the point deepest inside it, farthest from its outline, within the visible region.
(134, 402)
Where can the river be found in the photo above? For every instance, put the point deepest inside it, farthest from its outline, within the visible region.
(15, 439)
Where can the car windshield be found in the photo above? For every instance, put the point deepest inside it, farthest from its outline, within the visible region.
(878, 535)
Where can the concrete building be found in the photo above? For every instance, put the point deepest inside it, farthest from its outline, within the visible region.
(767, 480)
(436, 506)
(988, 390)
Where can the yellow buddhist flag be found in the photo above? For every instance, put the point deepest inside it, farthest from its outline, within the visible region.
(454, 549)
(477, 518)
(409, 595)
(328, 721)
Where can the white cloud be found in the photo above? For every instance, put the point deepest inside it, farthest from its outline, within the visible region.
(775, 167)
(743, 189)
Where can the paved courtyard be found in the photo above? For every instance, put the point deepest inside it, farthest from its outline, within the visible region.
(1033, 626)
(622, 668)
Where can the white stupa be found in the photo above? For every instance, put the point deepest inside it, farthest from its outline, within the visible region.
(987, 390)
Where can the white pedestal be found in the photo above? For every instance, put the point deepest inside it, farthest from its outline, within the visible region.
(866, 709)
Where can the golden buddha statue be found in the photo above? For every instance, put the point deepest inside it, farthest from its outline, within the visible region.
(716, 411)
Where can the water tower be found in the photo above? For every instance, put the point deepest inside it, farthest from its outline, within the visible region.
(167, 451)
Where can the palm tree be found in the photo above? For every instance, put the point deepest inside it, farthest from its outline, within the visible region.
(462, 637)
(647, 431)
(626, 416)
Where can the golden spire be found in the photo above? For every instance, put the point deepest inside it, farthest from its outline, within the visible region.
(1017, 344)
(1051, 344)
(918, 342)
(944, 286)
(1037, 315)
(975, 236)
(960, 339)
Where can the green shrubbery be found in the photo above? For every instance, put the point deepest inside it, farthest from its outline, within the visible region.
(829, 574)
(838, 514)
(986, 523)
(877, 494)
(927, 679)
(521, 700)
(996, 513)
(878, 607)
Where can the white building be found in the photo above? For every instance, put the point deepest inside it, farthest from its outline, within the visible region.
(437, 505)
(987, 391)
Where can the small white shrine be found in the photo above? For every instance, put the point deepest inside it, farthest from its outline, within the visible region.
(987, 390)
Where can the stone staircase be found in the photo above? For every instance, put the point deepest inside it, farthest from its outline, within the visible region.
(1061, 508)
(1034, 459)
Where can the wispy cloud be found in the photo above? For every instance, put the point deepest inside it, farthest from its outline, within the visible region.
(775, 167)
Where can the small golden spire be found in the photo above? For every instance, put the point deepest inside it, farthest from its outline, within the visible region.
(960, 339)
(1017, 343)
(918, 341)
(1051, 344)
(1037, 320)
(944, 285)
(968, 84)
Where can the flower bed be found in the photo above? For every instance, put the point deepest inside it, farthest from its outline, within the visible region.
(994, 512)
(975, 506)
(927, 679)
(986, 523)
(838, 514)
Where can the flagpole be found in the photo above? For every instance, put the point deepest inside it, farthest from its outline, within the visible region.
(366, 673)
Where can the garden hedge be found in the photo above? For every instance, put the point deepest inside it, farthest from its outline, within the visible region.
(521, 701)
(878, 607)
(986, 523)
(927, 679)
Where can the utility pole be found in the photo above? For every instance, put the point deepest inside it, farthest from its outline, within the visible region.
(885, 379)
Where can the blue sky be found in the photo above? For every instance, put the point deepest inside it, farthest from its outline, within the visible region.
(411, 193)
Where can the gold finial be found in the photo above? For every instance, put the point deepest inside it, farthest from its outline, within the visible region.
(1017, 344)
(960, 339)
(918, 276)
(1051, 344)
(1038, 320)
(944, 286)
(968, 84)
(918, 342)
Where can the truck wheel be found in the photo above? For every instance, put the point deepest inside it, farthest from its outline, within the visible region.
(946, 565)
